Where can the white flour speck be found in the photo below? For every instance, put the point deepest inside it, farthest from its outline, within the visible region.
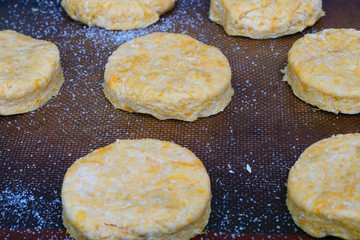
(248, 168)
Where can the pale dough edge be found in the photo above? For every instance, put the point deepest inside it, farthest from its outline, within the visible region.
(185, 233)
(320, 226)
(101, 20)
(318, 98)
(35, 99)
(162, 112)
(218, 15)
(316, 223)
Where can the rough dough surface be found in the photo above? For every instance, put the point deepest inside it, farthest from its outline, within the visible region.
(323, 70)
(324, 188)
(262, 19)
(117, 14)
(136, 189)
(30, 72)
(168, 75)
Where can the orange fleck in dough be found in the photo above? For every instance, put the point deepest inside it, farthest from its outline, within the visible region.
(183, 79)
(30, 72)
(323, 70)
(117, 14)
(143, 189)
(323, 188)
(262, 19)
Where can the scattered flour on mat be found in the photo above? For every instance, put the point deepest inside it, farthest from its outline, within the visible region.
(96, 44)
(24, 205)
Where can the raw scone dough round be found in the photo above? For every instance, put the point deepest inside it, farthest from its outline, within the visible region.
(323, 70)
(136, 189)
(261, 19)
(30, 72)
(117, 14)
(324, 188)
(168, 75)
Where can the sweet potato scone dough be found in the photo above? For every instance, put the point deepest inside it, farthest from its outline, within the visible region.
(324, 188)
(262, 19)
(30, 72)
(117, 14)
(169, 76)
(136, 189)
(324, 70)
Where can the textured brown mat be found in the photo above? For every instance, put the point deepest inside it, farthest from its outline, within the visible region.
(265, 126)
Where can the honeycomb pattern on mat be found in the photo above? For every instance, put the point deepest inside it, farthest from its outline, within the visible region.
(248, 149)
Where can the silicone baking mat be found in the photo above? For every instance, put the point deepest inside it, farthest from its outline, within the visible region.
(247, 149)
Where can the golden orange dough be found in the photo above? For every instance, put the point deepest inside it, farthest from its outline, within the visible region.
(136, 189)
(30, 72)
(262, 19)
(117, 14)
(324, 188)
(323, 70)
(170, 76)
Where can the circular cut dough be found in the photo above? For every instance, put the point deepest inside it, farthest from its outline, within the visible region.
(265, 18)
(117, 14)
(323, 70)
(168, 75)
(324, 188)
(30, 72)
(136, 189)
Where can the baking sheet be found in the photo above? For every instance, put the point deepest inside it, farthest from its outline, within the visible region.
(247, 149)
